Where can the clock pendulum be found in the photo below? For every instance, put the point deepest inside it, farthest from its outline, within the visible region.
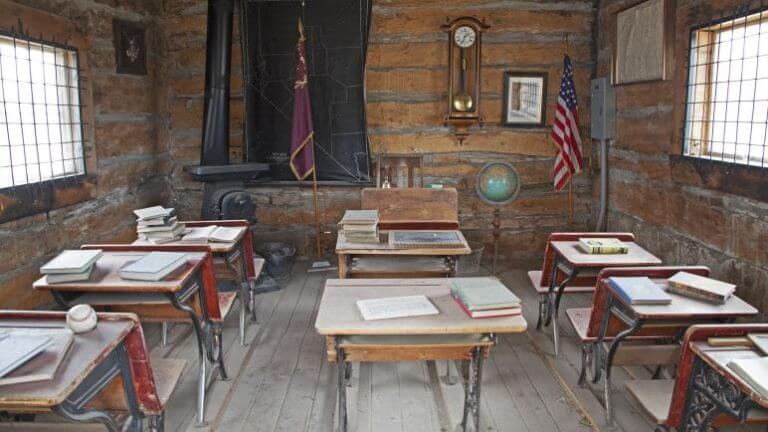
(463, 101)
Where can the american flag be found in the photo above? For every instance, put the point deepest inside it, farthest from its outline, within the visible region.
(565, 130)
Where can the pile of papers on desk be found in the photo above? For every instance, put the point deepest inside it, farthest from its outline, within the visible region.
(484, 297)
(360, 226)
(71, 266)
(158, 225)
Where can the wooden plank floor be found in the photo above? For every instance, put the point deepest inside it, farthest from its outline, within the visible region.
(280, 381)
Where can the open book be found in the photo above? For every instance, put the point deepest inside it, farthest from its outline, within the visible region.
(211, 233)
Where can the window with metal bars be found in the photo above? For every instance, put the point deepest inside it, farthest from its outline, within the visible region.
(40, 112)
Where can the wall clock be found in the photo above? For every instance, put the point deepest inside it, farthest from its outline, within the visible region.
(464, 72)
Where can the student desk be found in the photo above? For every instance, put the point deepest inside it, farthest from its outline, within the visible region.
(450, 335)
(106, 369)
(423, 261)
(683, 312)
(238, 258)
(571, 261)
(187, 295)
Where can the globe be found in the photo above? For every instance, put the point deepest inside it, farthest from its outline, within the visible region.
(497, 183)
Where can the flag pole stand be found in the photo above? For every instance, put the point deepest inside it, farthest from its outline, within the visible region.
(570, 201)
(317, 217)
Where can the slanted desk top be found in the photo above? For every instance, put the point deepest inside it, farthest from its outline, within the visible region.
(383, 248)
(84, 355)
(216, 247)
(105, 276)
(637, 256)
(683, 307)
(338, 313)
(718, 358)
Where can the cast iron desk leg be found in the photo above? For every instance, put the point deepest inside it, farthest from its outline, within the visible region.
(342, 389)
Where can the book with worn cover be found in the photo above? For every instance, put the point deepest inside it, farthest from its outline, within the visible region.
(360, 217)
(16, 350)
(490, 313)
(483, 294)
(154, 212)
(164, 221)
(164, 234)
(47, 363)
(603, 246)
(71, 261)
(639, 291)
(211, 233)
(754, 371)
(157, 228)
(760, 340)
(424, 239)
(701, 287)
(396, 307)
(69, 277)
(154, 266)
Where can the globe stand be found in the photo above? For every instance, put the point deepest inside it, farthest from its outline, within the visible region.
(496, 235)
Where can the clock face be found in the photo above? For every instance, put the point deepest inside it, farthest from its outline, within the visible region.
(464, 36)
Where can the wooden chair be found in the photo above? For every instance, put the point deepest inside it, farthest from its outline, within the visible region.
(413, 208)
(540, 279)
(154, 382)
(647, 347)
(665, 401)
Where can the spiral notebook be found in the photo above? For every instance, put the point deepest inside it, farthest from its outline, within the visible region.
(425, 239)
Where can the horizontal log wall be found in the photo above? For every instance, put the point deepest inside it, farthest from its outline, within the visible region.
(676, 208)
(122, 138)
(406, 86)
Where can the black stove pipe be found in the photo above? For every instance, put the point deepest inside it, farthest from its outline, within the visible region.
(218, 68)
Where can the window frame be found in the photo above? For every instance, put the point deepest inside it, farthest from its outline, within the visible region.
(65, 180)
(22, 201)
(705, 128)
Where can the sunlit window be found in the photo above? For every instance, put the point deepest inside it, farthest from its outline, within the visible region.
(40, 125)
(727, 104)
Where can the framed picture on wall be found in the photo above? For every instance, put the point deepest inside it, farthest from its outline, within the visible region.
(643, 45)
(524, 100)
(130, 47)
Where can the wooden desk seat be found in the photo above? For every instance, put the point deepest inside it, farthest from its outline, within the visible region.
(399, 266)
(167, 375)
(411, 348)
(535, 277)
(151, 307)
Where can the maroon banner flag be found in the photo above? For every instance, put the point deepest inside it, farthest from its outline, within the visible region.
(302, 159)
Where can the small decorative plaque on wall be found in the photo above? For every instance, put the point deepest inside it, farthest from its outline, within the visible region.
(130, 47)
(642, 42)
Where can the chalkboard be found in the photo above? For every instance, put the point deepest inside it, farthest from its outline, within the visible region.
(337, 38)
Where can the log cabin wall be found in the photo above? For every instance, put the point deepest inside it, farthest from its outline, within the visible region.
(685, 212)
(121, 134)
(407, 99)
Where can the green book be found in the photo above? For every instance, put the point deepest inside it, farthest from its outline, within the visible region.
(483, 293)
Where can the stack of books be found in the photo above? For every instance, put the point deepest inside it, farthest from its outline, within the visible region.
(158, 225)
(71, 266)
(639, 291)
(603, 246)
(212, 233)
(484, 297)
(360, 226)
(154, 266)
(701, 288)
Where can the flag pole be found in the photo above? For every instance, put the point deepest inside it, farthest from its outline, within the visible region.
(570, 200)
(317, 218)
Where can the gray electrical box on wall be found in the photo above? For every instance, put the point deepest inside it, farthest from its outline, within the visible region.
(603, 110)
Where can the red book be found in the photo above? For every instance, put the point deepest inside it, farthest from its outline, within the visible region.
(491, 313)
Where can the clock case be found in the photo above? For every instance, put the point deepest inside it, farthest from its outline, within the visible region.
(460, 121)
